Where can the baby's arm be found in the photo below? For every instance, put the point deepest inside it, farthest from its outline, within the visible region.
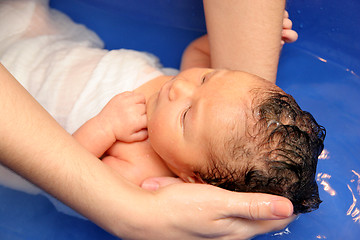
(122, 119)
(197, 54)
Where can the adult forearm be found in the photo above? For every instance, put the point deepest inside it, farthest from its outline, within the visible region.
(35, 146)
(245, 35)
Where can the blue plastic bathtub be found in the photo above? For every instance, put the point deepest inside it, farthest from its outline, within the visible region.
(321, 70)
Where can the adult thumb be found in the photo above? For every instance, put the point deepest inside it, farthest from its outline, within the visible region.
(259, 206)
(153, 184)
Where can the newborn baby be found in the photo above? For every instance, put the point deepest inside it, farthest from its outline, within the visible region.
(227, 128)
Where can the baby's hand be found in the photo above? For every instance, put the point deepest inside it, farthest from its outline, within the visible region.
(124, 117)
(288, 35)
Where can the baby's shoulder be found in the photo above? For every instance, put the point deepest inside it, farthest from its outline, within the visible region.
(140, 159)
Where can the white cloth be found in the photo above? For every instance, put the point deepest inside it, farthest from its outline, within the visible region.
(62, 64)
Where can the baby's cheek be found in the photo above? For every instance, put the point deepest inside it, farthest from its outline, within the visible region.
(152, 127)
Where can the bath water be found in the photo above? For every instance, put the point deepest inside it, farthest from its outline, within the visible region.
(328, 90)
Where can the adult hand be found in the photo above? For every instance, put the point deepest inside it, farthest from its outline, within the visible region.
(200, 211)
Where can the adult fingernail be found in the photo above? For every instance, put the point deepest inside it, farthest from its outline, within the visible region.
(150, 185)
(281, 208)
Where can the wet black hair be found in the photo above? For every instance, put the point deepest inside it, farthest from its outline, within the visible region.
(278, 155)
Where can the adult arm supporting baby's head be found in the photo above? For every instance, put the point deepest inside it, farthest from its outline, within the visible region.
(40, 150)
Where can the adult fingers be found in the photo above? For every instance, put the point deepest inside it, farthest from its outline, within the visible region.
(245, 229)
(227, 204)
(265, 226)
(257, 206)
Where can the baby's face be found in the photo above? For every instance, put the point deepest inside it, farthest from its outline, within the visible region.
(196, 107)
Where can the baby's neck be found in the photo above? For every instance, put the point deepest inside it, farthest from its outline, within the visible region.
(137, 161)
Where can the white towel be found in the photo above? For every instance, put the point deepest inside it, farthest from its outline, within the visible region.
(62, 64)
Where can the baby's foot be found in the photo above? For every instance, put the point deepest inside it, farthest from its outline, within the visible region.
(288, 35)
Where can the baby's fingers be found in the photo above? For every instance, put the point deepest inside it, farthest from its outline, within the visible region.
(139, 102)
(138, 131)
(141, 122)
(287, 23)
(138, 98)
(139, 136)
(289, 36)
(286, 14)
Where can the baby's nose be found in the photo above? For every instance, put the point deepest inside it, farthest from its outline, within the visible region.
(181, 89)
